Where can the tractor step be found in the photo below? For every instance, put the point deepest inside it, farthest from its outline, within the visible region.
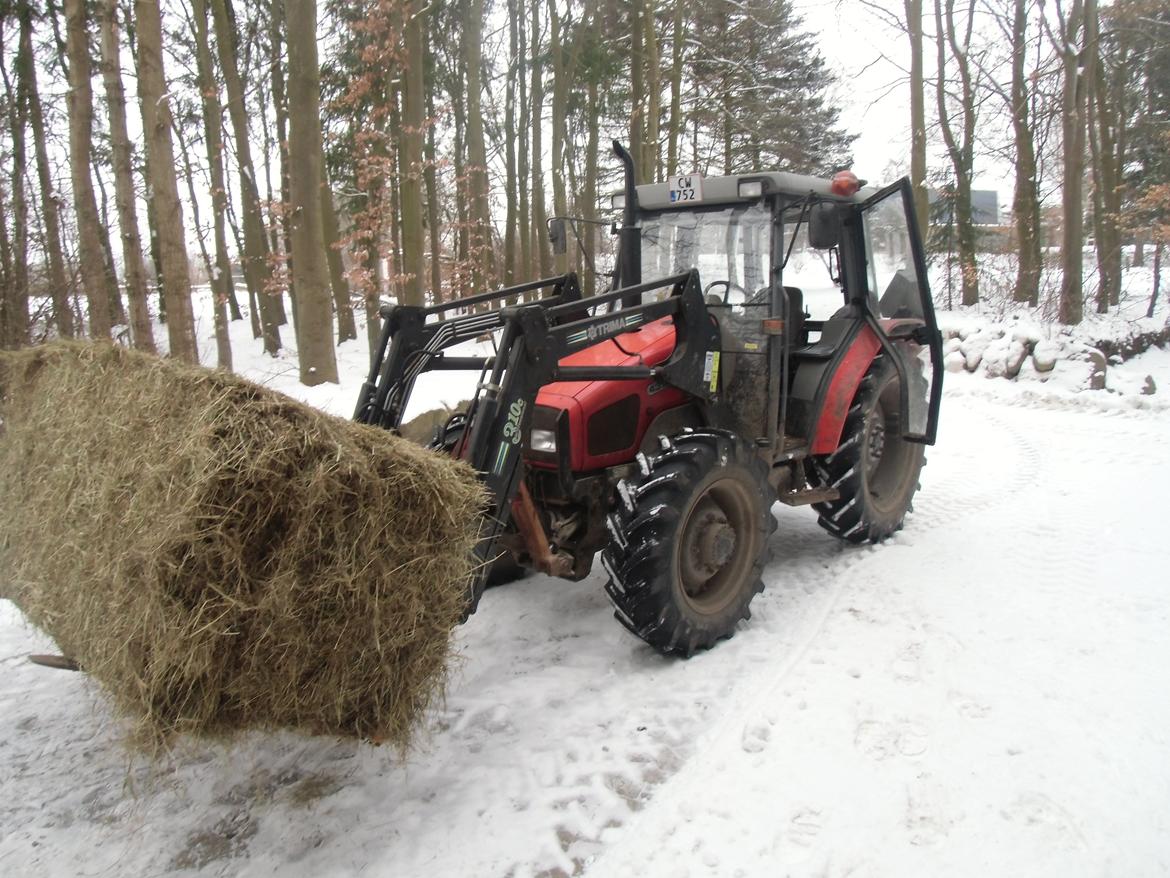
(808, 496)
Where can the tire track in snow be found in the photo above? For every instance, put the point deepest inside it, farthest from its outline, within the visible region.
(952, 500)
(739, 728)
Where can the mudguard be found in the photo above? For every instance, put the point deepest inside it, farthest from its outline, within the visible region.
(842, 386)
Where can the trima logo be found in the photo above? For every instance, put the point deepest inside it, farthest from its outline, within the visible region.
(595, 332)
(600, 330)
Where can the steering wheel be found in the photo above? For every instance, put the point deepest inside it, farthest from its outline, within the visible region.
(731, 285)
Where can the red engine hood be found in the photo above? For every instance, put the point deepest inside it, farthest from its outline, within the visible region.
(651, 345)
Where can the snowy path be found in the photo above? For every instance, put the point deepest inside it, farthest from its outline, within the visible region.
(984, 695)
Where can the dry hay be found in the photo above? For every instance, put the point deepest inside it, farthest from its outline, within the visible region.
(221, 557)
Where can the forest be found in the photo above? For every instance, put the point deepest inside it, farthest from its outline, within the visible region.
(311, 159)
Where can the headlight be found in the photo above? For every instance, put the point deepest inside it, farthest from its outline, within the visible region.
(543, 440)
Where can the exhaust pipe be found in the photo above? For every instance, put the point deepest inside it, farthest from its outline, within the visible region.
(629, 238)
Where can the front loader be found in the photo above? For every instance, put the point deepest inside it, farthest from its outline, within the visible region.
(657, 423)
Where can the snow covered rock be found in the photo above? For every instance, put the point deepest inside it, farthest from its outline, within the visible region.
(1099, 367)
(1004, 356)
(975, 345)
(954, 361)
(1045, 355)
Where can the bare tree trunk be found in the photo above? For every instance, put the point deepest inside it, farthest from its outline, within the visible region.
(188, 173)
(272, 194)
(725, 102)
(523, 130)
(373, 318)
(509, 145)
(430, 181)
(346, 328)
(280, 111)
(221, 276)
(593, 109)
(637, 89)
(14, 322)
(1073, 103)
(80, 103)
(675, 125)
(113, 290)
(223, 344)
(257, 271)
(917, 115)
(156, 123)
(315, 349)
(58, 280)
(652, 156)
(560, 102)
(1106, 125)
(155, 249)
(233, 225)
(462, 198)
(410, 146)
(396, 279)
(961, 148)
(1157, 278)
(1026, 198)
(7, 260)
(542, 250)
(482, 244)
(141, 331)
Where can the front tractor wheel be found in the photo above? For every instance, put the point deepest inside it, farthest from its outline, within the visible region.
(874, 469)
(689, 539)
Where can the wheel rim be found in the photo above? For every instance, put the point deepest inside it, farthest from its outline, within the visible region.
(887, 456)
(718, 546)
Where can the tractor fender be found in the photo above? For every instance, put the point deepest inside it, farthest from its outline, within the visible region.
(842, 386)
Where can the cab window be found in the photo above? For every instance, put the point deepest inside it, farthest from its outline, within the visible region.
(890, 271)
(731, 248)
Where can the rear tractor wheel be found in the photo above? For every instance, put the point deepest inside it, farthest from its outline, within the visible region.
(875, 470)
(689, 539)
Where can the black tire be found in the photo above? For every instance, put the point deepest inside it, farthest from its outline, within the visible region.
(689, 539)
(875, 470)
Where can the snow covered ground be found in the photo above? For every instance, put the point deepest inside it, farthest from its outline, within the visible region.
(986, 694)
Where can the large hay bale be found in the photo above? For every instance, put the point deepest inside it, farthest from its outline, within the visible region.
(219, 556)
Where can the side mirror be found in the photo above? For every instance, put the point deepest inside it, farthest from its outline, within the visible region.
(824, 226)
(557, 234)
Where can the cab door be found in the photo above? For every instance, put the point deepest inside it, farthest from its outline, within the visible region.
(899, 307)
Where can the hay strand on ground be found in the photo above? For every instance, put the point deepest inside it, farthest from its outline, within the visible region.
(220, 557)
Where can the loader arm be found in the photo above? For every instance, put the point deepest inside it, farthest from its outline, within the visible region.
(534, 339)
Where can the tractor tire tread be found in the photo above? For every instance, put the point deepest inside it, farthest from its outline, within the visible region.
(640, 571)
(849, 517)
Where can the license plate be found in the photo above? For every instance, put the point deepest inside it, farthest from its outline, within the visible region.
(686, 188)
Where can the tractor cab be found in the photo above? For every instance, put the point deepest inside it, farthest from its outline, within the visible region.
(798, 272)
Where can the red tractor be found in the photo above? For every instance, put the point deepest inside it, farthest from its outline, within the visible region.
(658, 423)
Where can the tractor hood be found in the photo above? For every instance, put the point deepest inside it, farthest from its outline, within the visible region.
(607, 419)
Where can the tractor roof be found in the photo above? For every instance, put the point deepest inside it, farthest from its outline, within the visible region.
(725, 190)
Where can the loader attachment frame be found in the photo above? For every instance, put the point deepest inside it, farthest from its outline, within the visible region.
(534, 338)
